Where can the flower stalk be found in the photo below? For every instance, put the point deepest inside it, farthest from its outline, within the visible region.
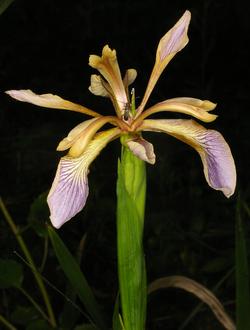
(23, 246)
(131, 192)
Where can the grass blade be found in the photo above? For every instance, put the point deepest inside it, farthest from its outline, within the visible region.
(242, 274)
(76, 278)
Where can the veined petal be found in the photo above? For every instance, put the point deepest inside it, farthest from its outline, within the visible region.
(218, 162)
(108, 66)
(193, 107)
(49, 101)
(70, 189)
(170, 44)
(142, 149)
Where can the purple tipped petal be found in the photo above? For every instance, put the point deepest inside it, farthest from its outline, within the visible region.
(69, 191)
(142, 149)
(170, 44)
(176, 38)
(49, 101)
(218, 162)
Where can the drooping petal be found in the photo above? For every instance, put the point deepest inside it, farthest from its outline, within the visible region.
(70, 189)
(108, 66)
(142, 149)
(218, 162)
(49, 101)
(170, 44)
(189, 106)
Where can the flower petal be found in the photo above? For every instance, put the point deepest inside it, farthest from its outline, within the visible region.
(108, 66)
(74, 135)
(49, 101)
(129, 77)
(142, 149)
(170, 44)
(203, 104)
(70, 189)
(218, 162)
(193, 107)
(96, 86)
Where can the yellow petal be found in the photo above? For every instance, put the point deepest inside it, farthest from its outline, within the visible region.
(49, 101)
(193, 107)
(96, 86)
(129, 77)
(108, 66)
(82, 139)
(74, 135)
(203, 104)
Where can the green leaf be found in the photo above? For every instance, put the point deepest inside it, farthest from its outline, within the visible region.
(38, 214)
(117, 319)
(11, 274)
(242, 274)
(39, 325)
(85, 327)
(4, 4)
(76, 278)
(24, 315)
(131, 192)
(217, 265)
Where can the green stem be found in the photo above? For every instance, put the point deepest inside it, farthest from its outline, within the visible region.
(34, 303)
(131, 193)
(29, 259)
(7, 324)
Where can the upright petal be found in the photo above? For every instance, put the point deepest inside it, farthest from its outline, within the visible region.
(70, 189)
(49, 101)
(142, 149)
(129, 77)
(170, 44)
(108, 66)
(97, 86)
(218, 162)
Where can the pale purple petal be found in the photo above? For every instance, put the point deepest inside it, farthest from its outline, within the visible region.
(69, 191)
(176, 38)
(219, 167)
(170, 44)
(218, 162)
(49, 101)
(142, 149)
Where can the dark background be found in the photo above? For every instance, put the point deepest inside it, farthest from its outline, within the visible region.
(189, 228)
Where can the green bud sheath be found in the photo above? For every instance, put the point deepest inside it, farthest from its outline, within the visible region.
(131, 193)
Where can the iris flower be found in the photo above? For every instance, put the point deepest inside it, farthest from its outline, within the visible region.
(70, 188)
